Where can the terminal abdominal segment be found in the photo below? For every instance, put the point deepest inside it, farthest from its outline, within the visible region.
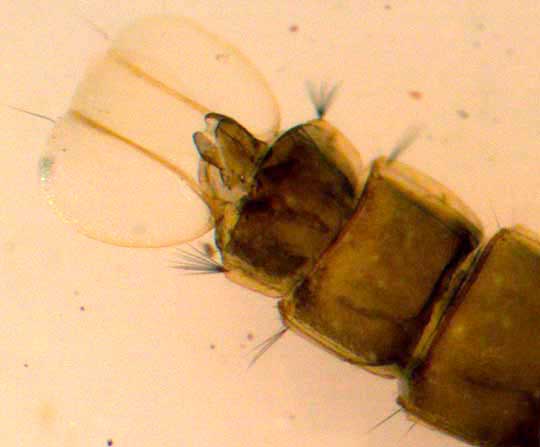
(386, 268)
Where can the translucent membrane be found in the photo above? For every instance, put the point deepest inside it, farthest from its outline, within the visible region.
(121, 166)
(203, 68)
(114, 193)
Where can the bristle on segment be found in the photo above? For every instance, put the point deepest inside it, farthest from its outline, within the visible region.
(322, 97)
(263, 347)
(197, 262)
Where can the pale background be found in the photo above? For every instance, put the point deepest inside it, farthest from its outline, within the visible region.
(136, 365)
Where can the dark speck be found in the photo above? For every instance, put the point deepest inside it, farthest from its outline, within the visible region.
(293, 28)
(222, 57)
(415, 94)
(250, 336)
(82, 308)
(110, 442)
(462, 114)
(387, 7)
(26, 365)
(212, 346)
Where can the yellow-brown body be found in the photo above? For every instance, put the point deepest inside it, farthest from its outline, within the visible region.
(387, 269)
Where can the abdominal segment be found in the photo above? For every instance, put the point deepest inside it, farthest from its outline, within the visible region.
(386, 268)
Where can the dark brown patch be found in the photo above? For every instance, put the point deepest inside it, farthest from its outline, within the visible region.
(209, 249)
(222, 57)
